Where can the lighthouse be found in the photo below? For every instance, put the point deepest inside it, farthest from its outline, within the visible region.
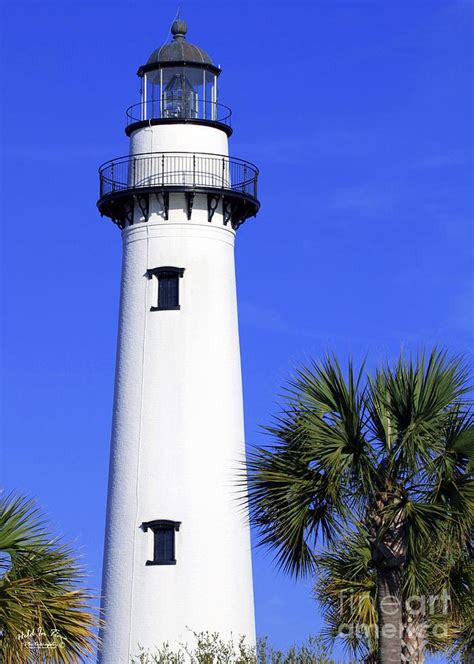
(177, 543)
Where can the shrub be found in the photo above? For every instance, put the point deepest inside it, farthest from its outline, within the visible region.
(210, 648)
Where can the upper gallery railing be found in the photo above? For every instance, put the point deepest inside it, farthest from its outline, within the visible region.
(179, 110)
(178, 170)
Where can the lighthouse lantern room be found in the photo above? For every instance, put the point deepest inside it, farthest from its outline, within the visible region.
(179, 81)
(177, 546)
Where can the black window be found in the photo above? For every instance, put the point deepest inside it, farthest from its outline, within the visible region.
(164, 545)
(163, 541)
(168, 292)
(168, 287)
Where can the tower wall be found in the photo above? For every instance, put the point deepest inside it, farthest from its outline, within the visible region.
(178, 433)
(177, 138)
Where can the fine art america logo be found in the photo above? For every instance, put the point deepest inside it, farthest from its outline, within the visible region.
(38, 639)
(416, 611)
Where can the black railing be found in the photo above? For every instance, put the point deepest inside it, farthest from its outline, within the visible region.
(208, 111)
(178, 170)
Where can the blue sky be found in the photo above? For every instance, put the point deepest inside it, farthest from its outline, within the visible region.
(359, 115)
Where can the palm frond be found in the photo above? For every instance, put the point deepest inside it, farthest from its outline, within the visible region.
(332, 417)
(291, 504)
(42, 600)
(346, 589)
(420, 393)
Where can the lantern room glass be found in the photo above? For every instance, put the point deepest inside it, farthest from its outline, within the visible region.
(179, 92)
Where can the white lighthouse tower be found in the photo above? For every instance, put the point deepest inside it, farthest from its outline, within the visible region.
(177, 545)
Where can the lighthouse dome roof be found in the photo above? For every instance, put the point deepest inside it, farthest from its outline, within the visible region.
(179, 50)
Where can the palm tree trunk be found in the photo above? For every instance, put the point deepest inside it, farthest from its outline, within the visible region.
(413, 641)
(390, 618)
(389, 556)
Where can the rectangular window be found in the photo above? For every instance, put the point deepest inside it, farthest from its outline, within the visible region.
(168, 292)
(164, 546)
(168, 287)
(163, 541)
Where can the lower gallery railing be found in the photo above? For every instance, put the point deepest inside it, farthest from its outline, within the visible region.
(179, 169)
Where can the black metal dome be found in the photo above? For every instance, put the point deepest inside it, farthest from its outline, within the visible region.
(179, 50)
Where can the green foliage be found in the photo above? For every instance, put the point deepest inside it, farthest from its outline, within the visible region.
(347, 591)
(312, 651)
(45, 614)
(376, 469)
(210, 648)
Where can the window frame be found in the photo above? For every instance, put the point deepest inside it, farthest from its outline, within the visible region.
(161, 525)
(162, 272)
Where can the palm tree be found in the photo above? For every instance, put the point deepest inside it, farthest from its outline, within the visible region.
(45, 614)
(391, 452)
